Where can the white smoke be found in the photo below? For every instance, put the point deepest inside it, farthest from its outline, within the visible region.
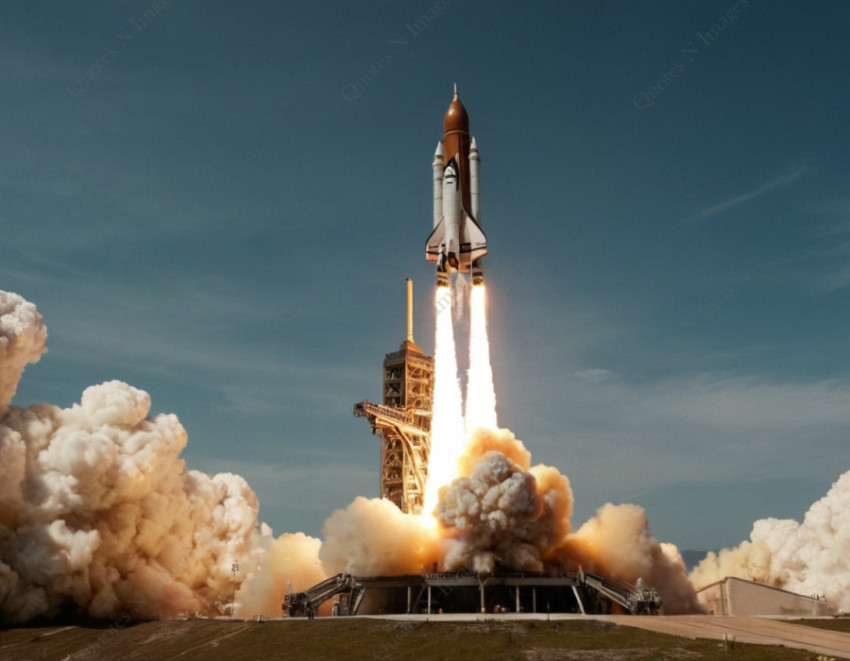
(98, 514)
(22, 337)
(292, 562)
(617, 542)
(372, 537)
(811, 558)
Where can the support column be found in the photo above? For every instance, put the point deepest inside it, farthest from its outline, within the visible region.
(481, 590)
(578, 599)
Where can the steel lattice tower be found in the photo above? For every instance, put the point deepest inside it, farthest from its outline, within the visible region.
(403, 421)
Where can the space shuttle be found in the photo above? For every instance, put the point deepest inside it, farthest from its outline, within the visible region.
(457, 242)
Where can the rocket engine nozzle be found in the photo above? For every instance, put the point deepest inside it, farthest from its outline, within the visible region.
(477, 273)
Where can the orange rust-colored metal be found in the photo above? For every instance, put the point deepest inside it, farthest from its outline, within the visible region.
(456, 145)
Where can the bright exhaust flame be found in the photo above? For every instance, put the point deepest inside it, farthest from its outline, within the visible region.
(449, 429)
(447, 440)
(480, 393)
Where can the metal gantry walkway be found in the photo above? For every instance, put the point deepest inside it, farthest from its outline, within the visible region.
(404, 452)
(534, 592)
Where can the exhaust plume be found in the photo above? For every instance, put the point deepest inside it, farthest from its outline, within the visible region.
(480, 393)
(447, 437)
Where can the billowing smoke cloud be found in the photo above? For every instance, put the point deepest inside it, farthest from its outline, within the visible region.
(372, 537)
(617, 542)
(98, 514)
(809, 558)
(22, 337)
(501, 512)
(291, 562)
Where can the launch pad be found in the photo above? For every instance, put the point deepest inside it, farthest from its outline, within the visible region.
(470, 592)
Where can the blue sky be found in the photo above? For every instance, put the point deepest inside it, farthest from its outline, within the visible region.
(217, 202)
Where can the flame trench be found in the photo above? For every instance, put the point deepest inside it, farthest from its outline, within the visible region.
(480, 393)
(447, 439)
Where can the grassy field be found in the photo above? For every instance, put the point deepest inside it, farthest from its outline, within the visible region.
(338, 638)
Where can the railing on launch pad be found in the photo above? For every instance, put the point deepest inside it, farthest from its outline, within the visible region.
(307, 603)
(636, 599)
(380, 416)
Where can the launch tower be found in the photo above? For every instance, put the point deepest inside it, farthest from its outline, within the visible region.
(403, 421)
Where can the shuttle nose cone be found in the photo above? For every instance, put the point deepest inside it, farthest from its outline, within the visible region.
(456, 118)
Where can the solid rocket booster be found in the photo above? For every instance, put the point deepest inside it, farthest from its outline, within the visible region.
(457, 242)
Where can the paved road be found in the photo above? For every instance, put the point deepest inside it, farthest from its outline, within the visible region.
(761, 631)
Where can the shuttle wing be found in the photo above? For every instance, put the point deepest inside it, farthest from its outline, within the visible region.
(435, 240)
(472, 239)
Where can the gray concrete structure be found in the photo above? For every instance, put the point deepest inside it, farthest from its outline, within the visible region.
(736, 596)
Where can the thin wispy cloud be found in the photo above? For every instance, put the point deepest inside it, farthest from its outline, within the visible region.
(823, 268)
(773, 184)
(594, 375)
